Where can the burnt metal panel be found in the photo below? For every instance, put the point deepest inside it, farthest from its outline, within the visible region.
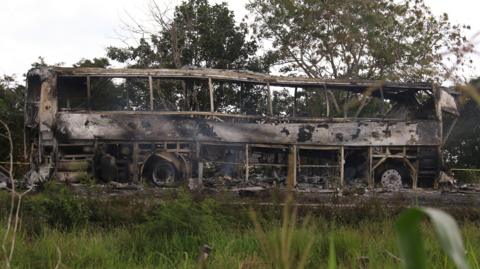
(48, 107)
(156, 127)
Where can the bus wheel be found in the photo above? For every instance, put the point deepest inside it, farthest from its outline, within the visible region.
(391, 179)
(162, 173)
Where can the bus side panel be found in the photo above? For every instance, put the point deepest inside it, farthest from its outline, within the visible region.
(149, 127)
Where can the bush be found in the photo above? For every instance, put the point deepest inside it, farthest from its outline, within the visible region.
(57, 208)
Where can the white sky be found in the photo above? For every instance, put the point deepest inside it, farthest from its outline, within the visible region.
(68, 30)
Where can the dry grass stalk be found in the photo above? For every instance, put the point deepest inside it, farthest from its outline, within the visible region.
(13, 220)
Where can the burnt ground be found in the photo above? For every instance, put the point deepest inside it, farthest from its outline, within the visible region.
(453, 198)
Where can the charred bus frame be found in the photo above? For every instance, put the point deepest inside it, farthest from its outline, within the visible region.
(402, 147)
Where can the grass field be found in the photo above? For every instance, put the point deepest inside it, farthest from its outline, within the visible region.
(58, 229)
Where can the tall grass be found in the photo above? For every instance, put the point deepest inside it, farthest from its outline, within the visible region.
(131, 247)
(89, 233)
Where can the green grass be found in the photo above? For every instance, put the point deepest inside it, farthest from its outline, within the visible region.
(133, 247)
(92, 233)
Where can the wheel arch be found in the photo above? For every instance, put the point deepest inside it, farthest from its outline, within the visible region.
(393, 163)
(175, 159)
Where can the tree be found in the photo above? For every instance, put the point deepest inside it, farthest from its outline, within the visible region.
(463, 145)
(364, 39)
(11, 112)
(199, 34)
(95, 62)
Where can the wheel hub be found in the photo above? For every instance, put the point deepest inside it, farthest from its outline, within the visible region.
(391, 180)
(163, 174)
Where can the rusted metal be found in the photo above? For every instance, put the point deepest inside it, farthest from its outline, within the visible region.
(113, 126)
(292, 167)
(150, 92)
(295, 102)
(210, 90)
(327, 102)
(89, 94)
(269, 100)
(341, 164)
(370, 173)
(250, 148)
(239, 76)
(247, 164)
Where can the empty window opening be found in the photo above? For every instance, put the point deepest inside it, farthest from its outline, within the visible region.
(180, 95)
(72, 93)
(117, 94)
(240, 98)
(283, 101)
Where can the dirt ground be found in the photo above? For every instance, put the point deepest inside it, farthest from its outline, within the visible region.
(454, 198)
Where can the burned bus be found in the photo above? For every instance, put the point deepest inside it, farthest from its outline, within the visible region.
(204, 126)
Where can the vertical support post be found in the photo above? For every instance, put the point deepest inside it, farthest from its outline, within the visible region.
(413, 172)
(55, 158)
(92, 166)
(150, 89)
(370, 176)
(89, 94)
(383, 101)
(295, 102)
(341, 165)
(127, 97)
(210, 89)
(246, 163)
(135, 158)
(200, 163)
(415, 177)
(437, 95)
(327, 102)
(346, 105)
(159, 94)
(270, 108)
(186, 103)
(292, 168)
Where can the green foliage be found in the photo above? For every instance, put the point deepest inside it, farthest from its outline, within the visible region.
(199, 34)
(467, 176)
(287, 246)
(463, 145)
(332, 257)
(95, 62)
(87, 179)
(11, 112)
(393, 40)
(59, 209)
(125, 232)
(185, 214)
(412, 246)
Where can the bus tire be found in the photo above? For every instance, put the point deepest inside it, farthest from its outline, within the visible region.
(393, 177)
(162, 173)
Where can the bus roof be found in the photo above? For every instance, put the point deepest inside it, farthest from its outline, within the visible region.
(242, 76)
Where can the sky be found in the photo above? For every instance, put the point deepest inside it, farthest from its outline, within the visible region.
(65, 31)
